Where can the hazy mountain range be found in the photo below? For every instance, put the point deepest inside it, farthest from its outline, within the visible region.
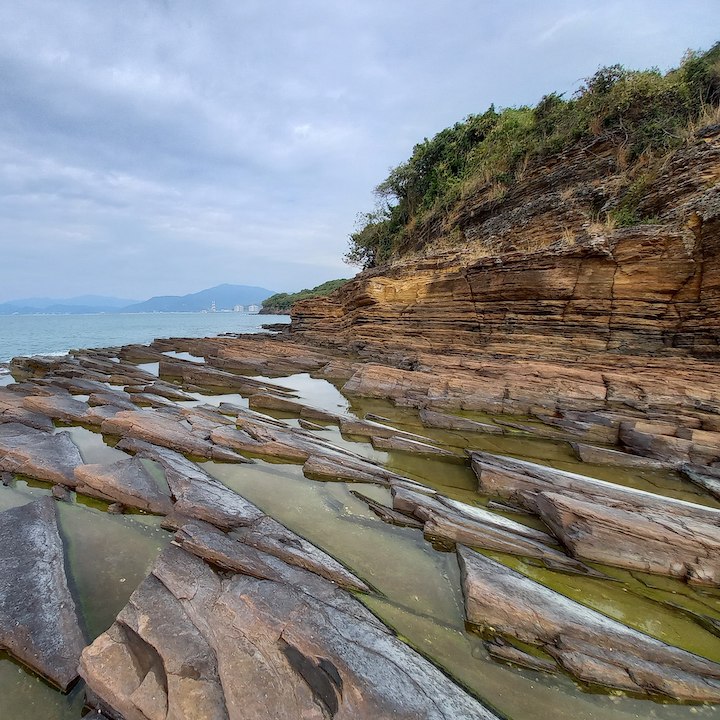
(225, 297)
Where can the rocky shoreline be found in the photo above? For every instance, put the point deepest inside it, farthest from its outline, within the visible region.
(242, 612)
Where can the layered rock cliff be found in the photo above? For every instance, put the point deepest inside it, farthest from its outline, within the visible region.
(537, 276)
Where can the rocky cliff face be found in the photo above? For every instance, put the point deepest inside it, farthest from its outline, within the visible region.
(536, 275)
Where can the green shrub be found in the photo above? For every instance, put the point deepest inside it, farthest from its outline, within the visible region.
(282, 302)
(644, 112)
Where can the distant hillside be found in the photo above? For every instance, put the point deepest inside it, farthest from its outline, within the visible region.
(225, 297)
(76, 305)
(280, 303)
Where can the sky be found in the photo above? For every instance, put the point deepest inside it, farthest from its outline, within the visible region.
(154, 147)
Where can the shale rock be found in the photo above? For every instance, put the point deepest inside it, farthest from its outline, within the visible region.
(39, 455)
(289, 646)
(588, 645)
(38, 621)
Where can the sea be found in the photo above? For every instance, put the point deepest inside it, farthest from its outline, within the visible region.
(56, 334)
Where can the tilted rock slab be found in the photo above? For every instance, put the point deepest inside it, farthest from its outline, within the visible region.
(38, 621)
(39, 455)
(199, 504)
(126, 481)
(167, 430)
(458, 522)
(193, 643)
(608, 523)
(196, 493)
(587, 644)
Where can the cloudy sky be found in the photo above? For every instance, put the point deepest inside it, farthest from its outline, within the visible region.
(165, 146)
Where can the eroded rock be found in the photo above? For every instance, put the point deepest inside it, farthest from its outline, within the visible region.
(38, 620)
(283, 648)
(39, 455)
(588, 645)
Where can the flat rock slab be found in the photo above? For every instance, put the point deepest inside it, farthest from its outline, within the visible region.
(415, 447)
(193, 643)
(196, 493)
(62, 406)
(606, 456)
(166, 430)
(128, 482)
(457, 522)
(587, 644)
(433, 419)
(38, 621)
(39, 455)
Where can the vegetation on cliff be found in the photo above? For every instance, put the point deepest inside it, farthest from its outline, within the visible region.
(282, 302)
(646, 114)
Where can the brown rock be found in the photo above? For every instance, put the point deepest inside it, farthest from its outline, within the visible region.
(127, 482)
(39, 455)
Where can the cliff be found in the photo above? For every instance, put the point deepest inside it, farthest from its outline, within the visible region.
(538, 276)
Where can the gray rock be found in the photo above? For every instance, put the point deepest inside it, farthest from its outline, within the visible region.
(39, 455)
(126, 481)
(38, 622)
(235, 647)
(197, 494)
(616, 525)
(588, 645)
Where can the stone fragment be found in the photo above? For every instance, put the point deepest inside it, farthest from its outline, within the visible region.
(457, 522)
(605, 456)
(415, 447)
(434, 419)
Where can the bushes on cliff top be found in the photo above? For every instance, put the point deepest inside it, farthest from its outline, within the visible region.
(645, 112)
(282, 302)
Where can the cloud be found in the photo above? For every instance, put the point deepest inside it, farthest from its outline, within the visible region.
(158, 147)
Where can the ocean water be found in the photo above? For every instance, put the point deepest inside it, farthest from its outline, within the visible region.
(56, 334)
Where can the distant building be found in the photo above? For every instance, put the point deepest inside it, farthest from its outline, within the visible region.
(212, 307)
(239, 308)
(253, 308)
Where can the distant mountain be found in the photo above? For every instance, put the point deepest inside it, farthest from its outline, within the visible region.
(225, 297)
(76, 305)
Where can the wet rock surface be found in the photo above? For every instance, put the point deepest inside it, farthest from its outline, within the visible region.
(207, 645)
(607, 523)
(588, 645)
(236, 616)
(37, 454)
(38, 621)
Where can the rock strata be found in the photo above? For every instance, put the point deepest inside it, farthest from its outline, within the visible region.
(39, 455)
(608, 523)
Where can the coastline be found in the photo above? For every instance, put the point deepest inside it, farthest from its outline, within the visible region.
(430, 459)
